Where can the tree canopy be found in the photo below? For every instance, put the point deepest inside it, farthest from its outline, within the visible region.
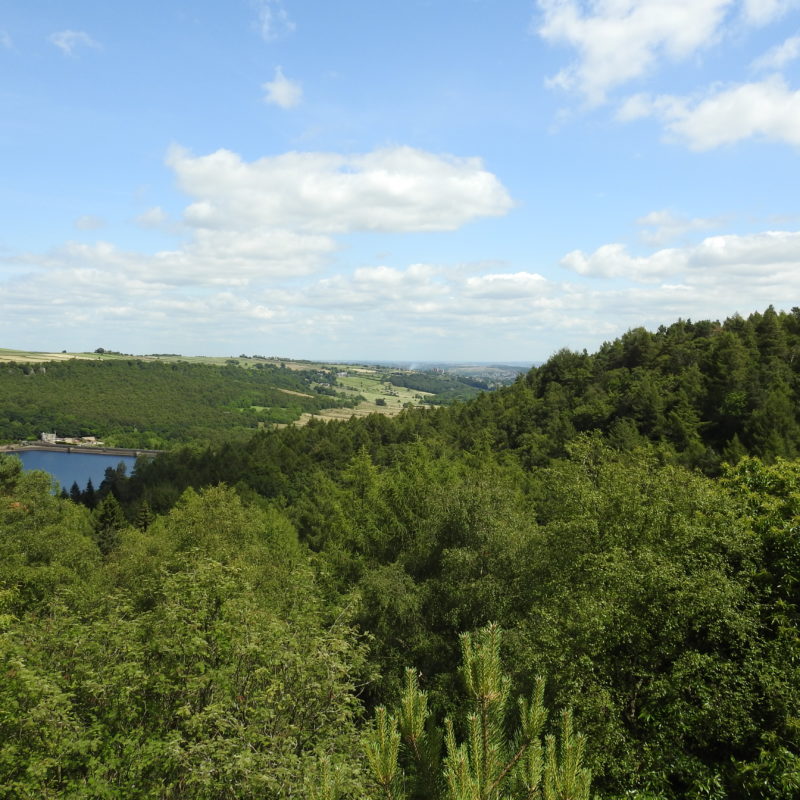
(237, 619)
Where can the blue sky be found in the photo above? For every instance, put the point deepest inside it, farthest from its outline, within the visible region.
(426, 179)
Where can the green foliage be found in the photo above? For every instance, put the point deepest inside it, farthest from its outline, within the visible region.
(383, 748)
(131, 403)
(208, 694)
(652, 572)
(46, 543)
(202, 663)
(635, 584)
(144, 516)
(489, 763)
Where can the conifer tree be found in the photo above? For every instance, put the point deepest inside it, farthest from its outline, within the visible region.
(489, 764)
(75, 492)
(383, 748)
(108, 522)
(89, 495)
(144, 516)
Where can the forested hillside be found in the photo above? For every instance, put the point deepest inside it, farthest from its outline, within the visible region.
(136, 403)
(235, 621)
(444, 389)
(705, 391)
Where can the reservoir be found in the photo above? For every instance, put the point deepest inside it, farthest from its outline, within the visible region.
(69, 468)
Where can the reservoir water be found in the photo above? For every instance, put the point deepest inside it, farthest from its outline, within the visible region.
(69, 468)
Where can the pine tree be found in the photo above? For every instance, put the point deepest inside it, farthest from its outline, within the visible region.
(489, 764)
(383, 748)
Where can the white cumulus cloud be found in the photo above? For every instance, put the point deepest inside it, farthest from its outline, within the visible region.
(210, 258)
(272, 220)
(614, 261)
(506, 286)
(621, 40)
(396, 189)
(216, 256)
(770, 258)
(176, 297)
(767, 109)
(281, 91)
(384, 289)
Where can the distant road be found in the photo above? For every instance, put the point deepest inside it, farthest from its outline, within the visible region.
(75, 448)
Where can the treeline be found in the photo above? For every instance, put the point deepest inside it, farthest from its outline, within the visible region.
(153, 405)
(706, 391)
(229, 621)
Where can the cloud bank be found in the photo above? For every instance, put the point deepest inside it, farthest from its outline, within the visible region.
(484, 308)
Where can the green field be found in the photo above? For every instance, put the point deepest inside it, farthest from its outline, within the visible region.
(374, 385)
(371, 383)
